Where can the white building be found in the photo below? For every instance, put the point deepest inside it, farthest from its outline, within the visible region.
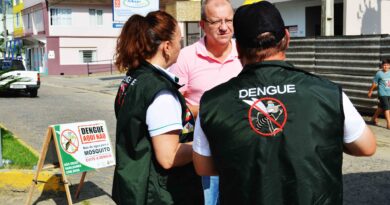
(62, 36)
(351, 17)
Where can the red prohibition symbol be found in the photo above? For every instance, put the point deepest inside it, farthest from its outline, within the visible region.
(267, 116)
(69, 141)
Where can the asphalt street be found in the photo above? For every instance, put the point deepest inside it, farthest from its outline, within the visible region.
(64, 99)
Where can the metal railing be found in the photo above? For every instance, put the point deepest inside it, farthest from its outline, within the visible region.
(350, 61)
(100, 66)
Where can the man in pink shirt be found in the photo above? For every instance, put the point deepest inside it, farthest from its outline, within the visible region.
(213, 59)
(209, 62)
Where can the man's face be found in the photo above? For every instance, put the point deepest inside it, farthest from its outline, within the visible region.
(218, 25)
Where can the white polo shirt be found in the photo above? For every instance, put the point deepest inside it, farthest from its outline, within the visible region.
(164, 114)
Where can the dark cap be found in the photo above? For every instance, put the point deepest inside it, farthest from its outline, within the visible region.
(252, 20)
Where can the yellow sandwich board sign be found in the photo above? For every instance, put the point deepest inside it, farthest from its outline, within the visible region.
(78, 147)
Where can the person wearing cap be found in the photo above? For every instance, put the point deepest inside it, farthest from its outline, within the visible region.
(276, 134)
(209, 62)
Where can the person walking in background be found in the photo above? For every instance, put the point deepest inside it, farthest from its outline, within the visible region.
(382, 82)
(276, 134)
(154, 126)
(209, 62)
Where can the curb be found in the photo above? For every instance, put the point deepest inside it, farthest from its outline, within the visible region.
(21, 180)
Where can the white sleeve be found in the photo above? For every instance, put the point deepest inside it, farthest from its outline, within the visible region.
(353, 122)
(164, 114)
(200, 144)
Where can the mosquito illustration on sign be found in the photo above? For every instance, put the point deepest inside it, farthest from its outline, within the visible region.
(267, 116)
(69, 141)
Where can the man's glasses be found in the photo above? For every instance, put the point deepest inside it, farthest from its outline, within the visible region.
(219, 22)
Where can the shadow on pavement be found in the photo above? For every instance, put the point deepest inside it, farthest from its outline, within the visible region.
(14, 94)
(367, 188)
(89, 190)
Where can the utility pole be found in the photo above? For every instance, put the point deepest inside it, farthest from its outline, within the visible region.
(5, 34)
(327, 17)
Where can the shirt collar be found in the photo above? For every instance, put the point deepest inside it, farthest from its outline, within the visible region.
(166, 71)
(202, 51)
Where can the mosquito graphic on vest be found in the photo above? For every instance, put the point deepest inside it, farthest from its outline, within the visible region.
(265, 113)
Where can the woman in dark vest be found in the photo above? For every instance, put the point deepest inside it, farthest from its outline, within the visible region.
(154, 127)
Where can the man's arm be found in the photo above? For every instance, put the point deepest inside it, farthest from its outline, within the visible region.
(365, 145)
(203, 161)
(373, 86)
(204, 166)
(358, 137)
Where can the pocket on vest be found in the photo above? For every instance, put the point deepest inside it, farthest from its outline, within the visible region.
(329, 190)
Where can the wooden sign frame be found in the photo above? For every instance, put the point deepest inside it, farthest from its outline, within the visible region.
(48, 144)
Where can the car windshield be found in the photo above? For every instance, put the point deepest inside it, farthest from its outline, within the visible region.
(11, 64)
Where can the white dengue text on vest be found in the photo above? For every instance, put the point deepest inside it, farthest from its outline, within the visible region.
(268, 90)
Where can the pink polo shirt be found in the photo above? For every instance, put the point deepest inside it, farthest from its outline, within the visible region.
(199, 72)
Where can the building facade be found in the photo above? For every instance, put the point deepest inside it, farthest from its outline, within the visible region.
(63, 37)
(351, 17)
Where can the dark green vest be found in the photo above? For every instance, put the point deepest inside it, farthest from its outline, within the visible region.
(138, 178)
(276, 136)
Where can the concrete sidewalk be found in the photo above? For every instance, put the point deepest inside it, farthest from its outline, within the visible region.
(102, 83)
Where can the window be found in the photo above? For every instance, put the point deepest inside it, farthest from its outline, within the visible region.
(87, 56)
(29, 20)
(18, 17)
(60, 17)
(16, 2)
(95, 17)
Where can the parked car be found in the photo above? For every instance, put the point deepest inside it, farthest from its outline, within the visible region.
(15, 77)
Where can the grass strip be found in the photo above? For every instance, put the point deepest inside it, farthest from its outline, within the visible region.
(22, 158)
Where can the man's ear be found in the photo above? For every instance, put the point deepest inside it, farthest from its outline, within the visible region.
(287, 37)
(242, 59)
(201, 24)
(238, 50)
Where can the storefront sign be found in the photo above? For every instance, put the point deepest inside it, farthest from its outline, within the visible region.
(123, 9)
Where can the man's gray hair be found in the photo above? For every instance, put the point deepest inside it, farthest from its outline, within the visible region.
(203, 8)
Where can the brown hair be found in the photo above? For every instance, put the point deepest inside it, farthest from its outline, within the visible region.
(266, 48)
(140, 38)
(385, 61)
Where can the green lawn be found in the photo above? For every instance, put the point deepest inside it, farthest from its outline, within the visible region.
(12, 149)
